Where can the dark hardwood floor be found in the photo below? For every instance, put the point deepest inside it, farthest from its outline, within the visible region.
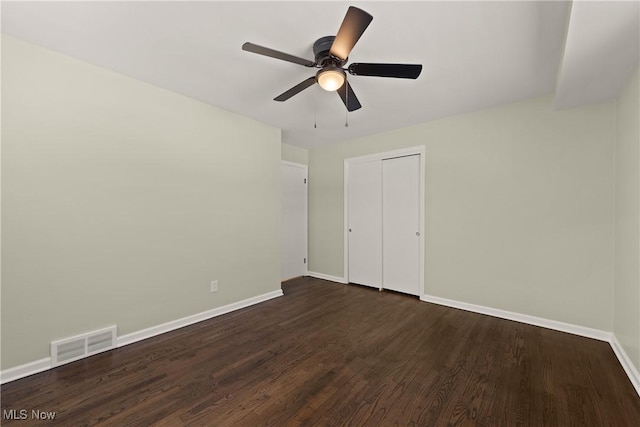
(331, 354)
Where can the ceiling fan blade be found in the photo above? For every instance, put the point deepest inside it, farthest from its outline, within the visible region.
(354, 23)
(349, 97)
(261, 50)
(296, 89)
(401, 71)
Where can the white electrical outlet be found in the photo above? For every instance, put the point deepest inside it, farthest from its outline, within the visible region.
(214, 286)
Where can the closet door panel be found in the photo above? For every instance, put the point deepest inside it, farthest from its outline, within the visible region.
(365, 223)
(401, 224)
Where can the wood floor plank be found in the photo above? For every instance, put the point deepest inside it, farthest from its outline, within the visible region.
(327, 354)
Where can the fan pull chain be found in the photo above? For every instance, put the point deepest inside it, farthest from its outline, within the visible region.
(315, 109)
(346, 103)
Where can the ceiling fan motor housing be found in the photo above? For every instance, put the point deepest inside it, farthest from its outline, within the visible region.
(321, 49)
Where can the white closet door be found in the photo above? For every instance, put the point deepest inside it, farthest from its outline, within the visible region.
(294, 221)
(401, 224)
(365, 223)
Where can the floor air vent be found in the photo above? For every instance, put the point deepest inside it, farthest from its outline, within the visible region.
(74, 348)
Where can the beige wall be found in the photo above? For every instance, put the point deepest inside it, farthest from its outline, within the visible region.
(519, 208)
(122, 201)
(295, 154)
(626, 324)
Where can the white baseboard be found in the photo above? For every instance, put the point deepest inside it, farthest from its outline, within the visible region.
(326, 277)
(597, 334)
(195, 318)
(522, 318)
(25, 370)
(626, 363)
(41, 365)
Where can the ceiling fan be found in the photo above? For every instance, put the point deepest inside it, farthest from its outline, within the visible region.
(331, 55)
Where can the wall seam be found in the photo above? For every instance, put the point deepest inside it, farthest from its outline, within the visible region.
(615, 216)
(637, 79)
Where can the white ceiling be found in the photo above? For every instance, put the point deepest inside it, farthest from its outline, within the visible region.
(475, 55)
(601, 51)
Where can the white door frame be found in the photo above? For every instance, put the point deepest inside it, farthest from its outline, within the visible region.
(381, 156)
(306, 210)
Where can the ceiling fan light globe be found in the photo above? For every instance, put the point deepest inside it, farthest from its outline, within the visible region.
(331, 80)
